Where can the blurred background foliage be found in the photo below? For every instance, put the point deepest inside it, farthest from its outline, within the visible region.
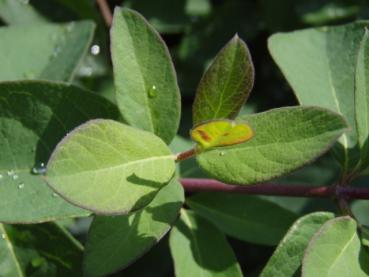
(195, 30)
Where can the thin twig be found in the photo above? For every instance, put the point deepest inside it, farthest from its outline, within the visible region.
(208, 185)
(105, 11)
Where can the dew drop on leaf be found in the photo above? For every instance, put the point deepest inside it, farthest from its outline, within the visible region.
(15, 177)
(56, 51)
(10, 172)
(222, 153)
(55, 194)
(95, 49)
(70, 26)
(152, 92)
(39, 169)
(29, 75)
(21, 185)
(86, 71)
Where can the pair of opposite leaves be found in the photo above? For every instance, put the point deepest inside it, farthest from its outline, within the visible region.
(221, 133)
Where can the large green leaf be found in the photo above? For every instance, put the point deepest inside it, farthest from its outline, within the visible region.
(335, 251)
(287, 258)
(199, 249)
(34, 116)
(39, 250)
(284, 139)
(109, 167)
(320, 66)
(115, 242)
(226, 84)
(43, 51)
(362, 100)
(145, 80)
(247, 218)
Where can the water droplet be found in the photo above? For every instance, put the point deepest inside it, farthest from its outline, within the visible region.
(29, 75)
(15, 177)
(55, 194)
(152, 92)
(86, 71)
(3, 236)
(10, 172)
(39, 169)
(57, 51)
(21, 185)
(95, 49)
(70, 26)
(222, 153)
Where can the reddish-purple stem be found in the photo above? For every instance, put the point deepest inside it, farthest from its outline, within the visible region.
(208, 185)
(105, 11)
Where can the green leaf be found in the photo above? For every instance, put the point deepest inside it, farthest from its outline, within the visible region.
(362, 100)
(115, 242)
(156, 263)
(286, 259)
(320, 66)
(34, 116)
(247, 218)
(360, 209)
(19, 13)
(226, 85)
(9, 264)
(145, 80)
(39, 250)
(285, 139)
(43, 51)
(364, 236)
(326, 12)
(335, 251)
(110, 168)
(206, 36)
(199, 249)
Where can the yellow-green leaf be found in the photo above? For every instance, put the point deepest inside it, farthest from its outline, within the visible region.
(221, 133)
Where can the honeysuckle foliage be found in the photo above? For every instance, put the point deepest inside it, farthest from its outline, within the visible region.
(67, 152)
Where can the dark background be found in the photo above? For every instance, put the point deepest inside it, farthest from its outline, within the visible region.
(195, 30)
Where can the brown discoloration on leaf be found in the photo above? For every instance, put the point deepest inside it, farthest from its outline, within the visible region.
(204, 135)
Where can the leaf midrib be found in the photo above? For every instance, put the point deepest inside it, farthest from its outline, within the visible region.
(341, 252)
(221, 103)
(168, 157)
(248, 147)
(146, 99)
